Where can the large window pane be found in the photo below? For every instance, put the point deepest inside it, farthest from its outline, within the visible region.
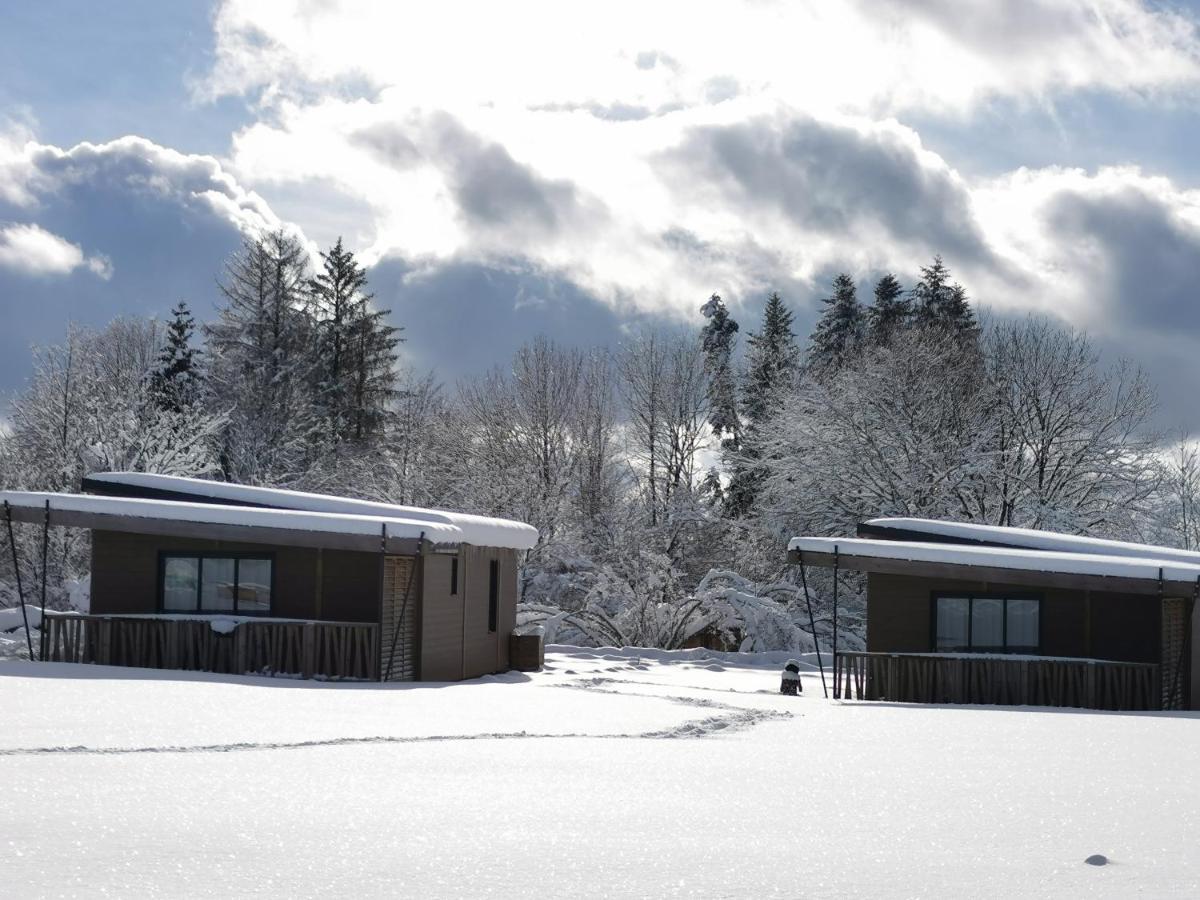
(952, 623)
(987, 623)
(216, 584)
(180, 576)
(1022, 624)
(254, 586)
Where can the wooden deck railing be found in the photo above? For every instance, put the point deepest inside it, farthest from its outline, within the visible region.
(1020, 681)
(344, 650)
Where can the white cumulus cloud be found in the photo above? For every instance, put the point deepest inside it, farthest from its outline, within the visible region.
(32, 250)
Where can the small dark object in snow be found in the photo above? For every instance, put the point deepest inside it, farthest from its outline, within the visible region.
(1097, 859)
(790, 682)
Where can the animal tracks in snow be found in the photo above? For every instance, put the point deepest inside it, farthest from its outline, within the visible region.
(725, 719)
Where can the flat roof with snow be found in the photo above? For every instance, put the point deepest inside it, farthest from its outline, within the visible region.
(197, 508)
(939, 531)
(482, 531)
(1092, 570)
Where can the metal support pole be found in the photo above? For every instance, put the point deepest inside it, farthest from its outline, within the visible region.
(45, 559)
(813, 625)
(12, 543)
(837, 687)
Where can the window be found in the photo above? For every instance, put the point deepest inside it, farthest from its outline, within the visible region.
(216, 584)
(986, 624)
(454, 577)
(493, 594)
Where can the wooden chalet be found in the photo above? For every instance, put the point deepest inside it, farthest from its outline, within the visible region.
(195, 574)
(962, 613)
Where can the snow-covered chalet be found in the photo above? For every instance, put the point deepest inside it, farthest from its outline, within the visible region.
(194, 574)
(966, 613)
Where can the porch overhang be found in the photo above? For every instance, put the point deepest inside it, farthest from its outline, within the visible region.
(1073, 571)
(220, 523)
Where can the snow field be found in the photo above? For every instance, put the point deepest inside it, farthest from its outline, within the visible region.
(798, 797)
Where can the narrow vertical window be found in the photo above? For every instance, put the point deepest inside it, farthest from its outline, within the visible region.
(493, 593)
(454, 577)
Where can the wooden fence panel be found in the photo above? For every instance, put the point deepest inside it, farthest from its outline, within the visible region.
(929, 678)
(342, 650)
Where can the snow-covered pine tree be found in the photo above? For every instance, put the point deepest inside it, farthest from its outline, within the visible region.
(890, 313)
(717, 339)
(939, 303)
(356, 377)
(262, 363)
(373, 372)
(175, 382)
(839, 331)
(773, 363)
(958, 315)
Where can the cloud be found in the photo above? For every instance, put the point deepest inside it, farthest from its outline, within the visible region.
(462, 318)
(143, 169)
(126, 227)
(1038, 48)
(32, 250)
(870, 182)
(855, 56)
(592, 155)
(1145, 248)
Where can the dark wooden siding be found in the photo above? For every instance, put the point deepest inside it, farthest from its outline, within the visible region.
(488, 651)
(349, 586)
(508, 605)
(125, 577)
(1073, 623)
(442, 621)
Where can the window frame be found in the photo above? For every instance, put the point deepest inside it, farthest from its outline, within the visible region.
(493, 595)
(200, 556)
(970, 597)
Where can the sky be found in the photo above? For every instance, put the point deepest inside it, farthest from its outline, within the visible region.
(581, 170)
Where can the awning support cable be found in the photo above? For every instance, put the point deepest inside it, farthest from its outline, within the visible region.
(45, 560)
(837, 692)
(812, 624)
(12, 543)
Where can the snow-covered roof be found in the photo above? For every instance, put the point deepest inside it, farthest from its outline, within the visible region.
(465, 528)
(1022, 560)
(1032, 539)
(334, 529)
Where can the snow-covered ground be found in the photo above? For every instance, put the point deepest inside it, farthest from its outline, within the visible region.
(613, 773)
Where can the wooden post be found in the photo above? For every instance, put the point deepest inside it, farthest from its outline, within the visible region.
(379, 634)
(12, 543)
(240, 664)
(1184, 654)
(309, 651)
(811, 624)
